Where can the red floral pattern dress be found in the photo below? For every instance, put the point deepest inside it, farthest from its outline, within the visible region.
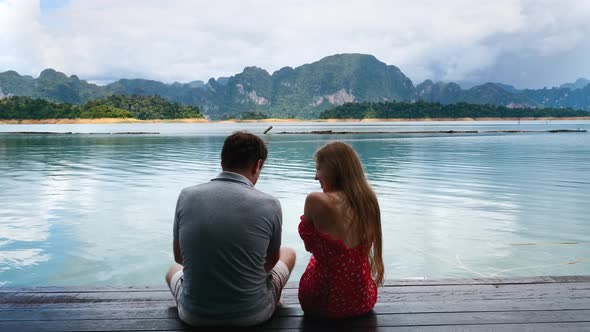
(337, 282)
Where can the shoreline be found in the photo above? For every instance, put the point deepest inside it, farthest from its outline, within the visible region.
(278, 120)
(331, 132)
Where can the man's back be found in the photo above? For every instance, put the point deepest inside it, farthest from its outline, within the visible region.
(226, 229)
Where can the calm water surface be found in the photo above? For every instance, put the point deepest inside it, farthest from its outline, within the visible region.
(97, 209)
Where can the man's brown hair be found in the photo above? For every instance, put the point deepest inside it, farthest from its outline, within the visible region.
(241, 150)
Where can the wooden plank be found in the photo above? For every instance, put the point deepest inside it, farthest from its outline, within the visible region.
(294, 285)
(537, 304)
(82, 299)
(551, 327)
(120, 312)
(389, 288)
(435, 319)
(75, 297)
(478, 292)
(489, 281)
(528, 327)
(105, 305)
(82, 289)
(485, 288)
(46, 298)
(558, 327)
(553, 292)
(563, 289)
(95, 325)
(6, 298)
(101, 289)
(168, 309)
(463, 307)
(488, 318)
(516, 304)
(479, 288)
(543, 327)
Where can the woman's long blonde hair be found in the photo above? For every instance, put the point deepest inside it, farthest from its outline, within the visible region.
(345, 173)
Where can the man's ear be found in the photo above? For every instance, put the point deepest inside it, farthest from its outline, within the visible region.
(255, 171)
(258, 166)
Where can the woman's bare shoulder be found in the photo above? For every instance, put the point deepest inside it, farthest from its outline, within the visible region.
(319, 200)
(322, 208)
(316, 196)
(315, 205)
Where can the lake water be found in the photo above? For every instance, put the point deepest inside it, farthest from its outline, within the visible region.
(97, 209)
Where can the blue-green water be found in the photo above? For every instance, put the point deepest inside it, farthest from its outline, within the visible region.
(98, 209)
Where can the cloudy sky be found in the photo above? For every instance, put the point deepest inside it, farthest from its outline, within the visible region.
(526, 43)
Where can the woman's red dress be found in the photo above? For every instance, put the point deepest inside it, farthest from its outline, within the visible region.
(337, 282)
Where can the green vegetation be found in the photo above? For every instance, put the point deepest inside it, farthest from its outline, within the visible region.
(50, 85)
(104, 111)
(148, 107)
(28, 108)
(424, 110)
(253, 116)
(139, 107)
(246, 116)
(303, 92)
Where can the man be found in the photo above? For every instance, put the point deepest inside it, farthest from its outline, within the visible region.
(230, 267)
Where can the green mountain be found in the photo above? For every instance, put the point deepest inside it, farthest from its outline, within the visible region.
(560, 97)
(506, 95)
(303, 91)
(444, 93)
(580, 83)
(488, 93)
(50, 85)
(307, 90)
(177, 92)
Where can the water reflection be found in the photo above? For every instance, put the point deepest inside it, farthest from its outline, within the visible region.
(97, 209)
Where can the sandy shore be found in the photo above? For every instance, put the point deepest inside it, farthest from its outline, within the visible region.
(131, 120)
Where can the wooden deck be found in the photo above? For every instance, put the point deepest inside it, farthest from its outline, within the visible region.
(521, 304)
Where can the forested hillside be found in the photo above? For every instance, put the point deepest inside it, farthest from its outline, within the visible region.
(424, 110)
(301, 92)
(139, 107)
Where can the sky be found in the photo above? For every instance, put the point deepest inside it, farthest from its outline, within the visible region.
(525, 43)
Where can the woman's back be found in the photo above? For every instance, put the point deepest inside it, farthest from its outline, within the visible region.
(330, 214)
(341, 227)
(337, 282)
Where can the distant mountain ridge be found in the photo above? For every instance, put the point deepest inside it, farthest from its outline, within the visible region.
(50, 85)
(304, 91)
(580, 83)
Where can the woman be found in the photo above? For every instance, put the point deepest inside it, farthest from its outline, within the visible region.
(341, 227)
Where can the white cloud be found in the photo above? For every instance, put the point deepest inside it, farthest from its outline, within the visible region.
(186, 40)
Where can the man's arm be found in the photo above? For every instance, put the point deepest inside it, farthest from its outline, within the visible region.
(177, 255)
(176, 231)
(271, 261)
(274, 247)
